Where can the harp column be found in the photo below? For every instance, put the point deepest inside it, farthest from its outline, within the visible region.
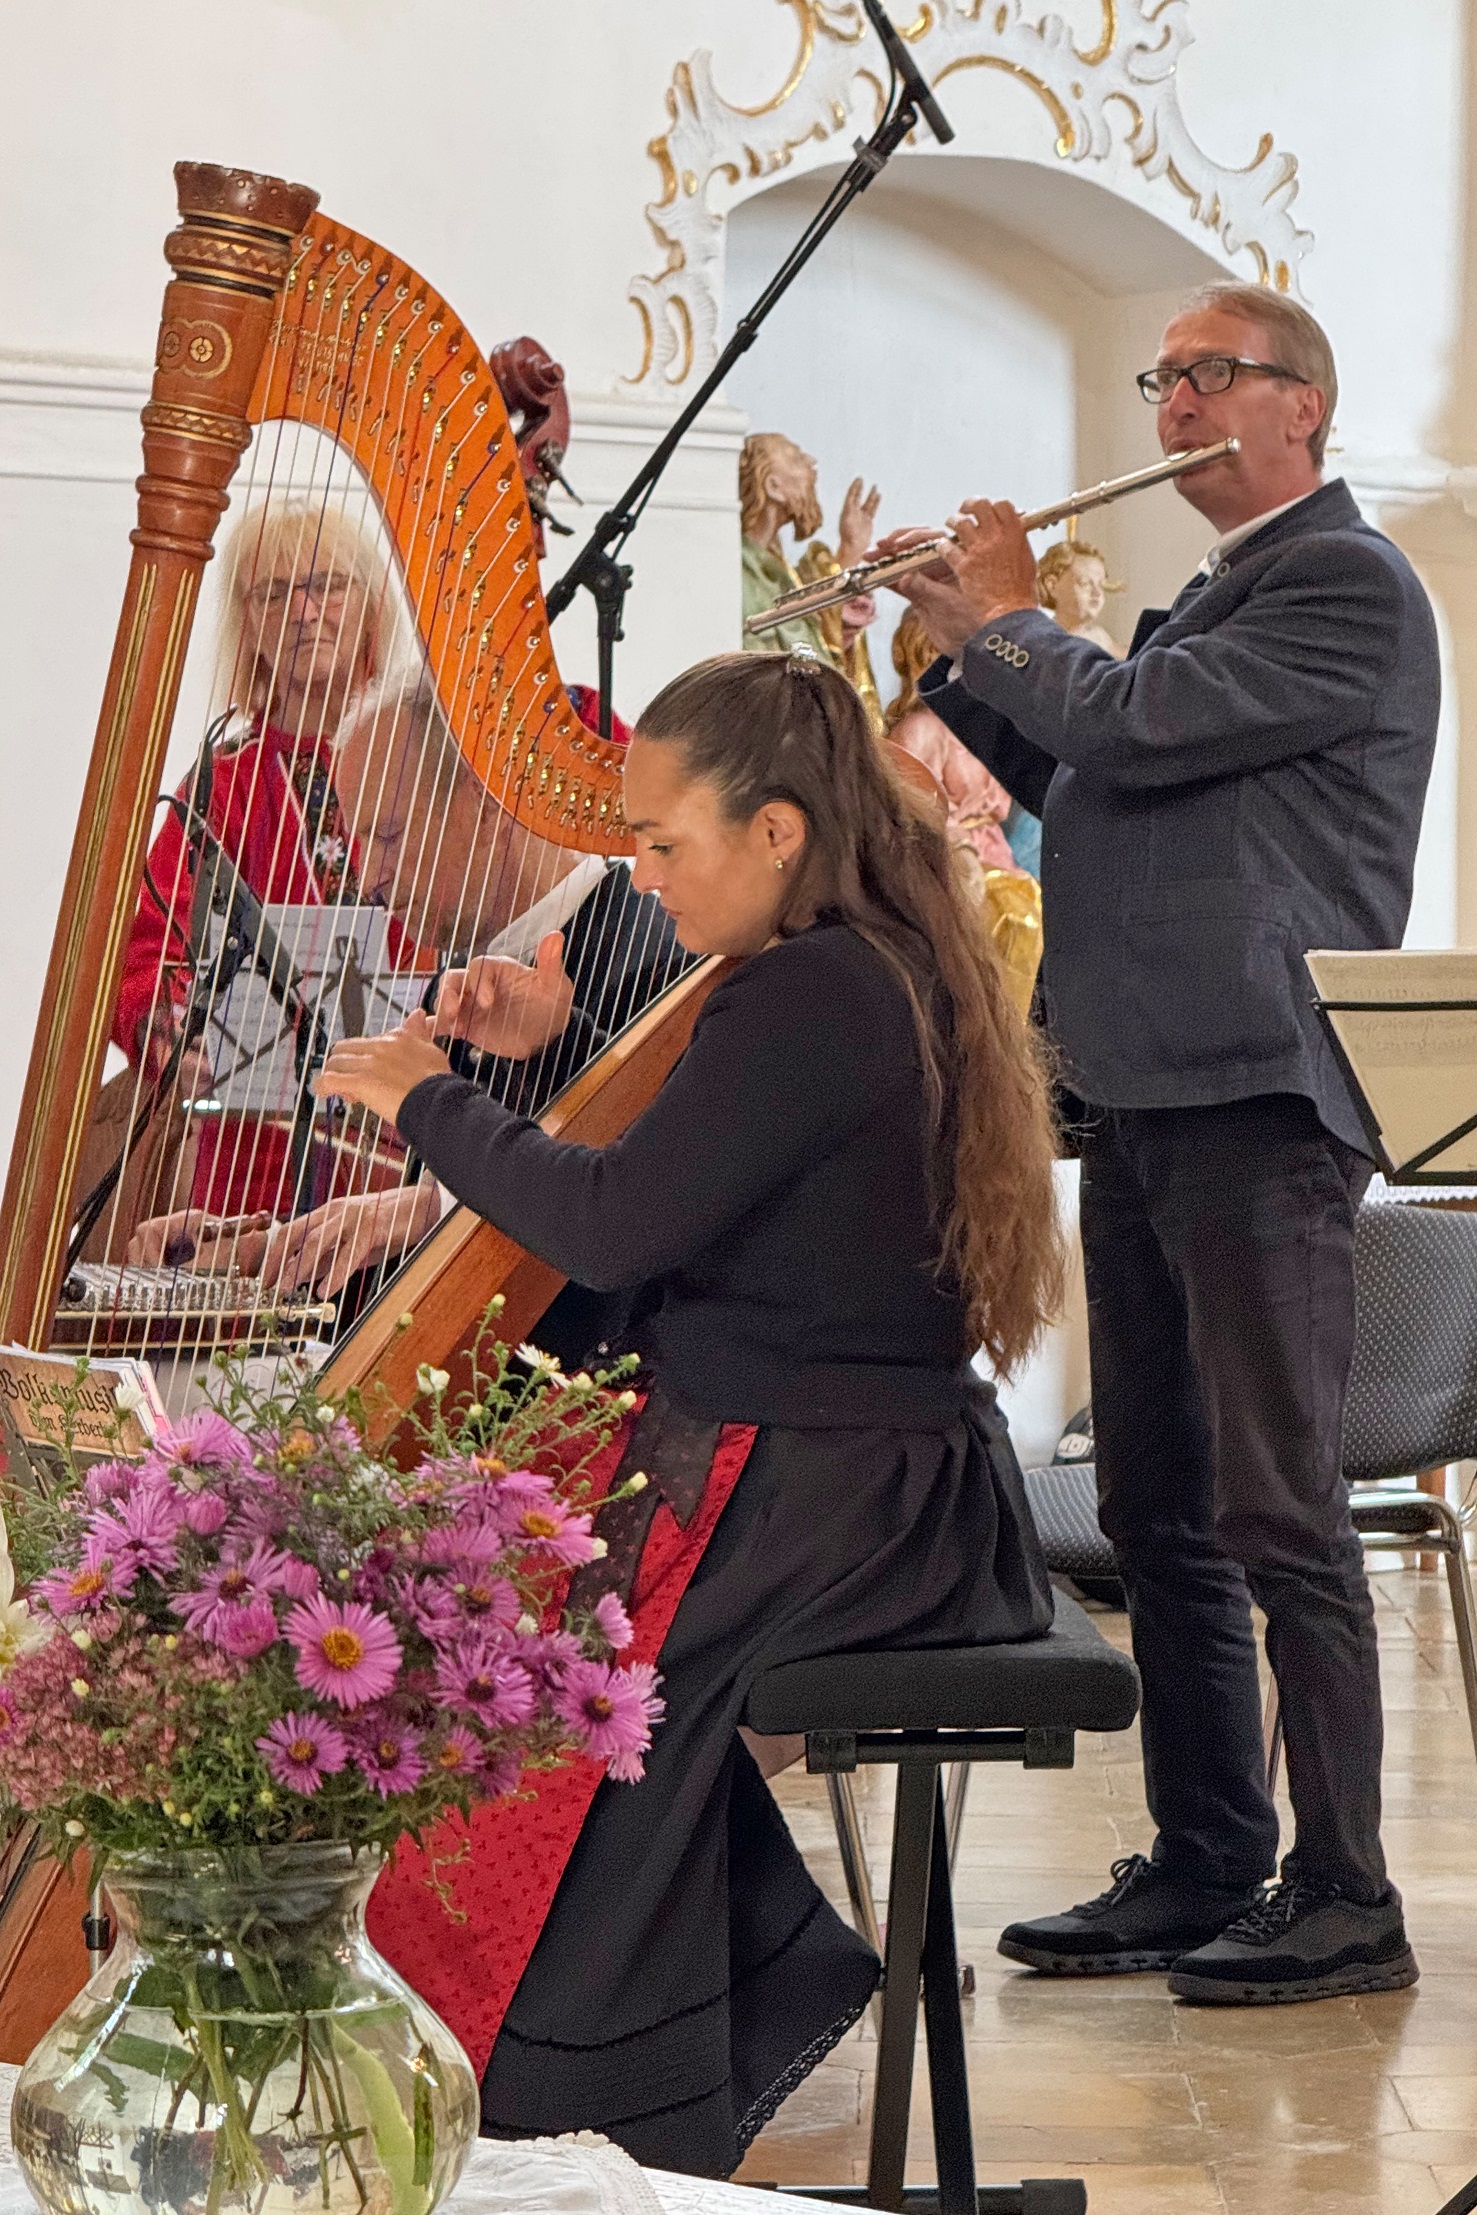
(230, 255)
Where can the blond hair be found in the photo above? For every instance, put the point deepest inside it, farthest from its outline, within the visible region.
(1057, 560)
(1298, 341)
(913, 651)
(300, 537)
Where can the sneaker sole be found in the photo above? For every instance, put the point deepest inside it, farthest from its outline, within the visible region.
(1090, 1965)
(1339, 1984)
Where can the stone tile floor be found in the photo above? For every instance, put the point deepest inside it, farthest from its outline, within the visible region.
(1346, 2107)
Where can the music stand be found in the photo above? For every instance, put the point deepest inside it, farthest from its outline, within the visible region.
(1403, 1029)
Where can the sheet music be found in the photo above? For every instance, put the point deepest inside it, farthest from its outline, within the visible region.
(348, 981)
(1417, 1067)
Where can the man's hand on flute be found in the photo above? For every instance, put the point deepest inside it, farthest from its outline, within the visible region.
(988, 573)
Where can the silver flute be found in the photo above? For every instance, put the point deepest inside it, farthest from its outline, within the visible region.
(829, 592)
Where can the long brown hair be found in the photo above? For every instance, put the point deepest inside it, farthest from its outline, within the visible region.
(763, 727)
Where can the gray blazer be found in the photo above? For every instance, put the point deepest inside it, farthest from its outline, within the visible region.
(1247, 784)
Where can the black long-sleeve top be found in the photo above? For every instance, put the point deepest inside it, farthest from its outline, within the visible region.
(773, 1200)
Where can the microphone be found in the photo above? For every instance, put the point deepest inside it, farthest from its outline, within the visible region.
(915, 84)
(196, 823)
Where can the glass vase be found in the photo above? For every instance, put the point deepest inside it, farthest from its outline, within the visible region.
(244, 2048)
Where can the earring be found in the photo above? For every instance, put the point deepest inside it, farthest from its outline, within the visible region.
(779, 863)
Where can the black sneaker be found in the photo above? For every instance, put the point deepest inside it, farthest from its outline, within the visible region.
(1303, 1941)
(1147, 1919)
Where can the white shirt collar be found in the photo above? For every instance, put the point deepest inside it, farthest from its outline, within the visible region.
(1230, 540)
(518, 941)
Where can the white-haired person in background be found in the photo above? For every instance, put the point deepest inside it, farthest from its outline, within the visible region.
(308, 624)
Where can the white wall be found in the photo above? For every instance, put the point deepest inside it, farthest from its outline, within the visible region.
(503, 150)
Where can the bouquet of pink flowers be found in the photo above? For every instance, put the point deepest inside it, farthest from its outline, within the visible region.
(242, 1667)
(264, 1631)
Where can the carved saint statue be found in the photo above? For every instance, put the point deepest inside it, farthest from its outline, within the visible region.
(777, 492)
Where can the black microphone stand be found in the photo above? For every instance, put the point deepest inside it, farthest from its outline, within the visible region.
(595, 567)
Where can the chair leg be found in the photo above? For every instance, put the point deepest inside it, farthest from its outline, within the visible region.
(1463, 1610)
(948, 2074)
(1433, 1483)
(853, 1851)
(907, 1910)
(1272, 1734)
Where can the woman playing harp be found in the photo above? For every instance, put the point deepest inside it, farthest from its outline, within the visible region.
(307, 626)
(842, 1189)
(532, 955)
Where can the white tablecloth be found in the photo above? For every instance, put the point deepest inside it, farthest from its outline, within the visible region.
(532, 2177)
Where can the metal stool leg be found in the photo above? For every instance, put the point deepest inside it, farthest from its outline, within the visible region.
(948, 2074)
(954, 1810)
(907, 1909)
(853, 1853)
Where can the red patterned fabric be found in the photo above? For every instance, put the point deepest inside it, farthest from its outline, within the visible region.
(466, 1951)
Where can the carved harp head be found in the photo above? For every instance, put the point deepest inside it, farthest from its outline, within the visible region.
(328, 765)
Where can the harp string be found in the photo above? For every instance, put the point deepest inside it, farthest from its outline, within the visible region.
(494, 888)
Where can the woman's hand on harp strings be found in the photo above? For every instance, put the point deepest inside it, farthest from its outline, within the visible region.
(990, 571)
(504, 1007)
(377, 1073)
(320, 1251)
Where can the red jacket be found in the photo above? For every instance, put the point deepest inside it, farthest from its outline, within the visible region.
(259, 811)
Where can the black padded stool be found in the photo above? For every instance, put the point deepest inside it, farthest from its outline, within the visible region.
(920, 1710)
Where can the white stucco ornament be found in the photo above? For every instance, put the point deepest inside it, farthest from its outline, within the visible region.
(1119, 93)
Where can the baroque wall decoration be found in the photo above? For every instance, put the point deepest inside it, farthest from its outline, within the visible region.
(1120, 91)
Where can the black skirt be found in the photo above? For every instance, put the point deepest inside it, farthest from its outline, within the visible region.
(690, 1972)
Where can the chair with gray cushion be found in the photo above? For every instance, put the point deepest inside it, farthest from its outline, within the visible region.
(918, 1711)
(1413, 1397)
(1062, 1497)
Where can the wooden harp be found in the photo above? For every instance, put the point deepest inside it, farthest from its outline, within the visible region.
(304, 372)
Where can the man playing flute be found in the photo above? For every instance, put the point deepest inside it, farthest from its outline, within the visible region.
(1247, 784)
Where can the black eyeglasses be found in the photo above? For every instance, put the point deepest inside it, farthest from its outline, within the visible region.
(1211, 373)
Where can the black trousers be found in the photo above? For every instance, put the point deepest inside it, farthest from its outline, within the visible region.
(1219, 1247)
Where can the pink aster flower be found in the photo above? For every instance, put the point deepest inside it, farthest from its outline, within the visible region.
(239, 1582)
(502, 1773)
(345, 1651)
(300, 1580)
(263, 1505)
(458, 1754)
(245, 1632)
(204, 1513)
(507, 1497)
(389, 1755)
(108, 1480)
(490, 1601)
(547, 1654)
(95, 1581)
(203, 1442)
(301, 1750)
(614, 1622)
(471, 1539)
(141, 1531)
(475, 1675)
(611, 1712)
(431, 1605)
(548, 1527)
